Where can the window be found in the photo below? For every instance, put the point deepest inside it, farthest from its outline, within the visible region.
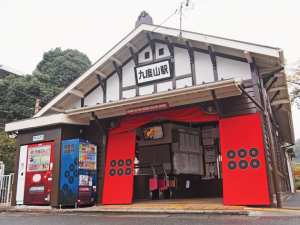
(161, 51)
(147, 55)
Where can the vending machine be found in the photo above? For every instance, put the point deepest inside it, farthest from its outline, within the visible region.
(38, 178)
(78, 178)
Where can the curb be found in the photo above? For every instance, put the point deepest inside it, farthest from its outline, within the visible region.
(174, 211)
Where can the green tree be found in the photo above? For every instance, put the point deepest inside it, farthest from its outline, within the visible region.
(8, 152)
(57, 69)
(293, 79)
(63, 66)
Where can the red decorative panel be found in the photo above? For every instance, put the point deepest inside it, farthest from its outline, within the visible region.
(118, 181)
(243, 161)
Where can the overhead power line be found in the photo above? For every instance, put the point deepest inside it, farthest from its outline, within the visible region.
(23, 93)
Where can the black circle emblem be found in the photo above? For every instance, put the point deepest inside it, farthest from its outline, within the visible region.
(121, 163)
(243, 164)
(128, 171)
(68, 146)
(65, 187)
(65, 146)
(254, 163)
(253, 152)
(72, 150)
(231, 165)
(71, 180)
(242, 153)
(120, 171)
(65, 151)
(112, 172)
(72, 145)
(70, 193)
(75, 173)
(113, 163)
(231, 154)
(76, 161)
(67, 173)
(71, 167)
(128, 162)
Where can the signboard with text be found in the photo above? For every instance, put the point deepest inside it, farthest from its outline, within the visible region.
(153, 72)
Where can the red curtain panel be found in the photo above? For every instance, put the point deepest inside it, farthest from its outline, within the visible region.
(243, 161)
(118, 181)
(192, 114)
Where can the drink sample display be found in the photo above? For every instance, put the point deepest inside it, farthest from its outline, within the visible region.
(39, 158)
(87, 156)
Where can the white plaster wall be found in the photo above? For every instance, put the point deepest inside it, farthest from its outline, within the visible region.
(75, 104)
(129, 93)
(182, 82)
(228, 68)
(203, 68)
(112, 88)
(164, 86)
(147, 90)
(95, 97)
(182, 61)
(142, 55)
(166, 50)
(128, 78)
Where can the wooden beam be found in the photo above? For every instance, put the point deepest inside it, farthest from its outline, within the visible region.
(273, 81)
(276, 110)
(190, 51)
(77, 93)
(170, 47)
(97, 121)
(117, 70)
(273, 98)
(268, 76)
(278, 102)
(278, 88)
(212, 56)
(250, 97)
(132, 46)
(133, 55)
(116, 60)
(151, 43)
(217, 104)
(101, 83)
(101, 74)
(57, 109)
(248, 56)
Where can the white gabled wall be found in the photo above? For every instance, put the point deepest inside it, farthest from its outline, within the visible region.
(159, 46)
(95, 97)
(112, 88)
(146, 90)
(74, 105)
(203, 68)
(182, 61)
(184, 82)
(228, 68)
(129, 93)
(142, 55)
(164, 86)
(128, 76)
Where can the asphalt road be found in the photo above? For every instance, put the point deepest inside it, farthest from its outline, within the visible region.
(140, 219)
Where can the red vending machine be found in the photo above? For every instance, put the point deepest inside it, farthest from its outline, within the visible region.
(38, 179)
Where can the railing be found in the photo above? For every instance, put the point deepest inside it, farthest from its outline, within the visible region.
(6, 188)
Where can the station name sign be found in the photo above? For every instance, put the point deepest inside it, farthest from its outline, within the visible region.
(153, 72)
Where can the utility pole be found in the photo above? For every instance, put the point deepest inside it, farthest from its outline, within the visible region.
(37, 106)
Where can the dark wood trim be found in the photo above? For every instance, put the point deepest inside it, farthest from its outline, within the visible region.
(91, 90)
(274, 96)
(217, 104)
(82, 102)
(255, 83)
(101, 83)
(190, 51)
(129, 87)
(236, 58)
(170, 47)
(104, 93)
(276, 110)
(97, 122)
(117, 69)
(200, 50)
(151, 43)
(133, 55)
(193, 70)
(266, 77)
(184, 76)
(155, 87)
(214, 63)
(250, 97)
(273, 81)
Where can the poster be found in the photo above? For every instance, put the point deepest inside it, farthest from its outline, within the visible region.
(194, 162)
(83, 180)
(182, 163)
(210, 153)
(182, 141)
(197, 149)
(187, 141)
(192, 142)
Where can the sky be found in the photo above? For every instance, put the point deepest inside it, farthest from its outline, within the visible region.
(28, 28)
